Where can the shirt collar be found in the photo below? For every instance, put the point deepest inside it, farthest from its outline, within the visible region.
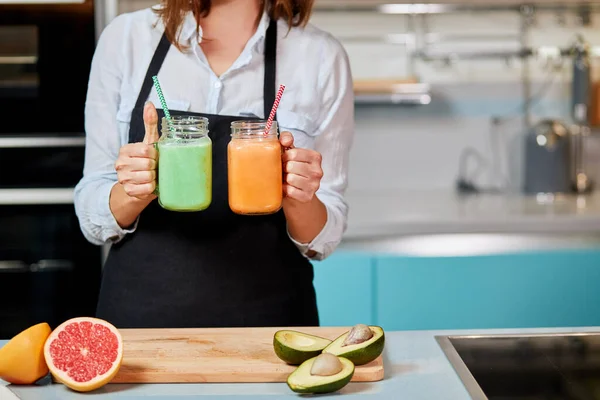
(190, 29)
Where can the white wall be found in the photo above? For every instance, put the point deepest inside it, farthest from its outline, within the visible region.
(419, 148)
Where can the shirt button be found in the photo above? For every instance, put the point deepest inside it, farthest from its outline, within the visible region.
(218, 85)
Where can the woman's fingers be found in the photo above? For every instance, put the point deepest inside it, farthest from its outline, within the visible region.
(143, 190)
(137, 164)
(136, 169)
(302, 183)
(297, 194)
(137, 177)
(139, 150)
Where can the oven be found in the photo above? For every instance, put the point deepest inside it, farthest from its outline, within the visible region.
(46, 48)
(48, 271)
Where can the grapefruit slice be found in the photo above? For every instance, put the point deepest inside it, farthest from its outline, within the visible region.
(22, 358)
(84, 353)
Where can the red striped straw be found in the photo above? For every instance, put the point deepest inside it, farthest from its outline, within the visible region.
(274, 109)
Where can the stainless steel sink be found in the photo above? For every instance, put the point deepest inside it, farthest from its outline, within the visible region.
(532, 367)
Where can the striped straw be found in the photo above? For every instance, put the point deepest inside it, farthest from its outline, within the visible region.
(274, 109)
(162, 99)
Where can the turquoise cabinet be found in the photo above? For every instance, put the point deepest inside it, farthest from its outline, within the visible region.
(519, 290)
(536, 289)
(343, 283)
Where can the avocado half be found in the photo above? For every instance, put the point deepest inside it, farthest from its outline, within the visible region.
(302, 381)
(295, 347)
(361, 353)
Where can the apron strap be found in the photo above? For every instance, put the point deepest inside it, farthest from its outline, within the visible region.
(157, 60)
(269, 84)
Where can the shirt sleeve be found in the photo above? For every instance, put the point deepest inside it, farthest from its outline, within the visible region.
(102, 143)
(334, 140)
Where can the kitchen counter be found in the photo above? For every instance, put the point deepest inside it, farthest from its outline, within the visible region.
(385, 214)
(416, 368)
(445, 223)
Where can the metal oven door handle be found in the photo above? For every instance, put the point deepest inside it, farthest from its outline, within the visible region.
(52, 265)
(13, 266)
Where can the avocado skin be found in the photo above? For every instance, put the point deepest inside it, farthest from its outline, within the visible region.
(363, 355)
(329, 387)
(292, 356)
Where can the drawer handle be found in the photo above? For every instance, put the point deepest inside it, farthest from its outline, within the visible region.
(13, 266)
(51, 265)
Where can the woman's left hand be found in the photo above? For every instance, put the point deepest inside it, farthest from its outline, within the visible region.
(302, 170)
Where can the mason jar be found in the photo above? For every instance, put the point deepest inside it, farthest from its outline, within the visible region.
(255, 177)
(184, 164)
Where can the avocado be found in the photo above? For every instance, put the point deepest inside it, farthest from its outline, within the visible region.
(295, 347)
(310, 378)
(359, 353)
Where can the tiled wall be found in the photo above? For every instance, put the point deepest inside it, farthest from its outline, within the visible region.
(419, 148)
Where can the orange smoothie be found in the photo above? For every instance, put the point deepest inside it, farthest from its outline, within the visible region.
(255, 175)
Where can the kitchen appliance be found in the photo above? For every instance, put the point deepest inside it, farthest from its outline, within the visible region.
(548, 157)
(46, 48)
(48, 271)
(553, 151)
(581, 105)
(511, 367)
(227, 354)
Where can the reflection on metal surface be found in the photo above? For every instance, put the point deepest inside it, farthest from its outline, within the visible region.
(48, 141)
(461, 369)
(12, 197)
(13, 266)
(18, 59)
(52, 265)
(533, 366)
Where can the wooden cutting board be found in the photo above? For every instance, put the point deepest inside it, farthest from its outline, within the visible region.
(215, 355)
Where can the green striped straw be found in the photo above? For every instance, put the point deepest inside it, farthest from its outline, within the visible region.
(162, 99)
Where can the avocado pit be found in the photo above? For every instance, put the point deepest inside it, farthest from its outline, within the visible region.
(358, 334)
(326, 364)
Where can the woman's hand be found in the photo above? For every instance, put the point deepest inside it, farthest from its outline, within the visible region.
(136, 164)
(305, 214)
(302, 170)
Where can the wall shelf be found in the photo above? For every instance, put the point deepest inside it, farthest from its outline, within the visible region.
(450, 6)
(405, 94)
(393, 98)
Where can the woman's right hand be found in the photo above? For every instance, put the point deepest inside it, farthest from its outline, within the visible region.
(136, 164)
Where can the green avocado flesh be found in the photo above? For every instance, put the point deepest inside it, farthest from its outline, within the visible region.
(296, 347)
(301, 380)
(361, 353)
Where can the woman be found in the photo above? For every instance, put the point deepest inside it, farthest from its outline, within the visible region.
(221, 59)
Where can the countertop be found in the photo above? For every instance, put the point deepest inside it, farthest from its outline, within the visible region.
(399, 213)
(416, 368)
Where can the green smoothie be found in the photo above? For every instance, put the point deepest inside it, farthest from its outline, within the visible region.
(185, 174)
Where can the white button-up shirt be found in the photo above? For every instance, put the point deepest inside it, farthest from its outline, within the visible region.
(317, 107)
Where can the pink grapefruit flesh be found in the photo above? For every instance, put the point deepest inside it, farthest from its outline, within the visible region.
(84, 353)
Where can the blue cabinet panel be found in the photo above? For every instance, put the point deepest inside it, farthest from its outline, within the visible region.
(521, 290)
(343, 283)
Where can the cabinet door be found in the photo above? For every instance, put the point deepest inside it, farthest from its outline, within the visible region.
(550, 289)
(344, 287)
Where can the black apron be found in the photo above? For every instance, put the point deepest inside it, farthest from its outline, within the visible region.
(211, 268)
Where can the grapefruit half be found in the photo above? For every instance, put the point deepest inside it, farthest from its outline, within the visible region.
(84, 353)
